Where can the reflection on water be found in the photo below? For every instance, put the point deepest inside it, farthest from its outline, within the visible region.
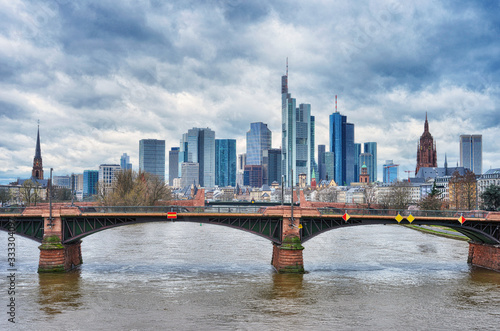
(58, 292)
(186, 277)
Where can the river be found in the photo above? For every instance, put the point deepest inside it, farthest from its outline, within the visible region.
(187, 276)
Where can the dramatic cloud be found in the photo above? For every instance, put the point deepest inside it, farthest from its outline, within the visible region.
(101, 75)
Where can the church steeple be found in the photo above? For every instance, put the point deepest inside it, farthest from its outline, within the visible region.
(37, 171)
(426, 149)
(426, 124)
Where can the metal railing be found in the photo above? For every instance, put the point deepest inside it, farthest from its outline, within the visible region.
(12, 210)
(166, 209)
(394, 212)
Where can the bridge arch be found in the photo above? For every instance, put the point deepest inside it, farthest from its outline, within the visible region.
(479, 232)
(78, 227)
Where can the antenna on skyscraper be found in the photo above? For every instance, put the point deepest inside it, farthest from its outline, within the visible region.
(287, 66)
(336, 103)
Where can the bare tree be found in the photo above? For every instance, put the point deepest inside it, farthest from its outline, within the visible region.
(370, 194)
(398, 196)
(30, 192)
(328, 194)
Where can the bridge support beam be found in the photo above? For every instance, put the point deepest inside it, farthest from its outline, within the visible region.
(287, 257)
(483, 255)
(54, 255)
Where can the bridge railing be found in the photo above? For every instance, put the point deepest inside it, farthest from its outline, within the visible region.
(12, 210)
(416, 213)
(165, 209)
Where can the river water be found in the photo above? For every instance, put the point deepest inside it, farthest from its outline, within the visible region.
(184, 276)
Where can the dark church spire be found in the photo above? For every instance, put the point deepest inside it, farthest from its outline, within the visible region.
(37, 171)
(426, 125)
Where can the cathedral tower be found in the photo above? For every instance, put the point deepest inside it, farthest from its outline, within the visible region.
(426, 150)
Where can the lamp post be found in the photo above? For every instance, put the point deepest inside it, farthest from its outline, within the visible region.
(50, 200)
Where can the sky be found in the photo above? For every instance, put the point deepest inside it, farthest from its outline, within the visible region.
(102, 75)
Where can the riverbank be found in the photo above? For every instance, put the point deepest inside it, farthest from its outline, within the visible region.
(438, 231)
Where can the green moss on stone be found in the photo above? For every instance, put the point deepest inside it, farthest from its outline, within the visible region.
(291, 243)
(52, 239)
(296, 269)
(51, 246)
(54, 269)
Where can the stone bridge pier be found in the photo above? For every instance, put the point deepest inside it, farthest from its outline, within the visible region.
(287, 257)
(54, 255)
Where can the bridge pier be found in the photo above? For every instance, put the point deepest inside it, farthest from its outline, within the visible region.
(483, 255)
(54, 255)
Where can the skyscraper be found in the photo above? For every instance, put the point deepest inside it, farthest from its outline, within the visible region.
(297, 135)
(259, 138)
(426, 149)
(321, 163)
(471, 153)
(390, 172)
(357, 164)
(272, 166)
(329, 166)
(371, 147)
(342, 144)
(190, 174)
(125, 162)
(152, 157)
(173, 165)
(198, 146)
(225, 162)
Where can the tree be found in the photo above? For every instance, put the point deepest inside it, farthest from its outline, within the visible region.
(433, 200)
(370, 194)
(61, 193)
(30, 192)
(4, 195)
(328, 194)
(134, 189)
(398, 196)
(491, 198)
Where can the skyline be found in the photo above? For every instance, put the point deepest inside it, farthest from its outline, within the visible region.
(101, 76)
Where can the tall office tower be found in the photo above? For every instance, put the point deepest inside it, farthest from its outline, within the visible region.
(107, 176)
(272, 166)
(426, 150)
(314, 165)
(253, 175)
(357, 164)
(366, 159)
(90, 179)
(342, 144)
(125, 162)
(390, 172)
(190, 174)
(320, 175)
(152, 157)
(77, 182)
(371, 147)
(198, 146)
(242, 159)
(173, 165)
(259, 138)
(225, 162)
(471, 153)
(37, 171)
(329, 166)
(297, 136)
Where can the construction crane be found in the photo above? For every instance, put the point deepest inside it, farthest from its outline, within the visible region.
(408, 171)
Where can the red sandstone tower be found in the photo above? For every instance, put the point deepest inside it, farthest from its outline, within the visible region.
(426, 150)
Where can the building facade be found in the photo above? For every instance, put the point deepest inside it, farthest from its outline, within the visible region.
(272, 166)
(125, 162)
(471, 152)
(107, 176)
(225, 162)
(198, 146)
(390, 172)
(190, 174)
(152, 157)
(173, 165)
(259, 138)
(342, 144)
(321, 163)
(90, 179)
(371, 147)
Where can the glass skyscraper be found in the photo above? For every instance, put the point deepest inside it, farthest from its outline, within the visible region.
(357, 165)
(259, 138)
(390, 172)
(342, 144)
(152, 157)
(371, 147)
(225, 162)
(125, 162)
(471, 153)
(321, 163)
(173, 165)
(297, 134)
(198, 146)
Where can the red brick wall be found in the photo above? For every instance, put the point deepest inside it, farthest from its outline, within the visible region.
(486, 256)
(283, 258)
(73, 256)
